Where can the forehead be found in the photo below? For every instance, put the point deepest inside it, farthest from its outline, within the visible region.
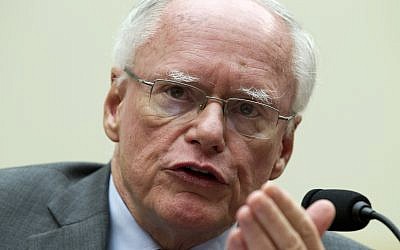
(226, 44)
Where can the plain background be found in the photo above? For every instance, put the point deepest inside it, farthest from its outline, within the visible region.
(55, 59)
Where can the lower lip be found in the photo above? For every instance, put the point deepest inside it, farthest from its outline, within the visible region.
(194, 180)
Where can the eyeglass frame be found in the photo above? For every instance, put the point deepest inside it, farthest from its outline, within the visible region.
(207, 97)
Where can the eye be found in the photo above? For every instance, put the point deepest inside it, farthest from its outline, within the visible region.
(248, 109)
(182, 94)
(244, 109)
(176, 92)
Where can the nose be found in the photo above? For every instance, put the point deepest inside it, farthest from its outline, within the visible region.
(207, 130)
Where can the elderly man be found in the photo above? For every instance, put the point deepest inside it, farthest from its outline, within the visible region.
(204, 102)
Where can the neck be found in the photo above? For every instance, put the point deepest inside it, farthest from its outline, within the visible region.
(170, 237)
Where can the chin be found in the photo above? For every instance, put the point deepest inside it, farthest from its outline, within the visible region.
(189, 212)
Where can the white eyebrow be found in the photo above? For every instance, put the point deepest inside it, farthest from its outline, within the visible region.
(259, 95)
(182, 77)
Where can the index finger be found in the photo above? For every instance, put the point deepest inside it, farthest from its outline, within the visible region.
(296, 215)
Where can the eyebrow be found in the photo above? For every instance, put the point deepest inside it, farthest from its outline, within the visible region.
(256, 94)
(179, 76)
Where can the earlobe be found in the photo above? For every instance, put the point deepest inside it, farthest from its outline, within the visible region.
(286, 149)
(278, 168)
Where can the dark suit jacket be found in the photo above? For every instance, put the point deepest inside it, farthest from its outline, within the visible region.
(65, 206)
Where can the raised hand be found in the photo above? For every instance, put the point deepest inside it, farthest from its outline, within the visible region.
(270, 219)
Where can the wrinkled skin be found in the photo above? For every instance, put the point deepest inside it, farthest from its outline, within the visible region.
(227, 45)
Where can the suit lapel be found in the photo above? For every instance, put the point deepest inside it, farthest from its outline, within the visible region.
(82, 214)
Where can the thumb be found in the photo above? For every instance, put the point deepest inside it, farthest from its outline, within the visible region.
(322, 213)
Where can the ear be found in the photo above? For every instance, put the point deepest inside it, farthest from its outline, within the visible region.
(286, 149)
(112, 104)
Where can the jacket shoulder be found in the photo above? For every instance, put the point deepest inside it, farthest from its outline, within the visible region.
(335, 241)
(26, 191)
(39, 182)
(31, 174)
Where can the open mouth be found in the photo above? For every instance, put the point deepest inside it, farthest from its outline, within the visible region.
(193, 172)
(199, 173)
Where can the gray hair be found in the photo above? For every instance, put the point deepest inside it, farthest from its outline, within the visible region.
(143, 20)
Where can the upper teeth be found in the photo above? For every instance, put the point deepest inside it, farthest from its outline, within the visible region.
(198, 170)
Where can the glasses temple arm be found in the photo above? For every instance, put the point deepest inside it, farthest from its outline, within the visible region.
(287, 118)
(136, 78)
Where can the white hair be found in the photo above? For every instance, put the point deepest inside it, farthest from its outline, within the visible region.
(143, 21)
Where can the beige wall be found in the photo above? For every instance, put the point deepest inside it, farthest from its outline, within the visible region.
(54, 68)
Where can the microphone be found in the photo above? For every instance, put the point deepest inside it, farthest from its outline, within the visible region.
(347, 217)
(353, 210)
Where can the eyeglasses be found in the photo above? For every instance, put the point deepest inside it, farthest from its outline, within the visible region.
(176, 99)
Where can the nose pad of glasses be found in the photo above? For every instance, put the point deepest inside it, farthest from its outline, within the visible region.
(209, 99)
(202, 106)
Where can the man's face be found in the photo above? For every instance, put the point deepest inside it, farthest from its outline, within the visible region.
(158, 162)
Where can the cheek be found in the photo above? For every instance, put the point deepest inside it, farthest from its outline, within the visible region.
(136, 156)
(255, 164)
(144, 140)
(138, 126)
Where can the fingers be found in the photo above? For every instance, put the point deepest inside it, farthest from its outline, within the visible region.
(322, 213)
(235, 240)
(254, 236)
(296, 216)
(272, 215)
(270, 219)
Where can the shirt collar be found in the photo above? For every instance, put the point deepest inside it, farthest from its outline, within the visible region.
(126, 234)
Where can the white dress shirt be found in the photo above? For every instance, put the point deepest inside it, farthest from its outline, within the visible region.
(126, 234)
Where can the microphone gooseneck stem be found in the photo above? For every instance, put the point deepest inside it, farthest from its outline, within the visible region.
(363, 211)
(380, 217)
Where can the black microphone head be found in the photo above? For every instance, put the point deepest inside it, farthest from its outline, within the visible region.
(347, 216)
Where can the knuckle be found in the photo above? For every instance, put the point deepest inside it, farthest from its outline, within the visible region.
(244, 216)
(256, 201)
(255, 197)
